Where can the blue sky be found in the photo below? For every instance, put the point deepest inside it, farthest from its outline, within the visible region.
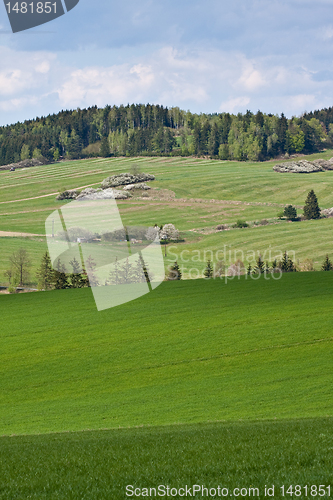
(206, 56)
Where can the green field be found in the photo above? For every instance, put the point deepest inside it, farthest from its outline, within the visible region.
(100, 464)
(194, 194)
(213, 382)
(190, 351)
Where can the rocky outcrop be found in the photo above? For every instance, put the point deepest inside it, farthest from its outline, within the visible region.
(140, 185)
(26, 163)
(125, 179)
(103, 194)
(327, 212)
(71, 194)
(304, 166)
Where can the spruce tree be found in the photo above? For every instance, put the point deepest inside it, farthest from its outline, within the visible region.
(311, 208)
(208, 272)
(174, 272)
(260, 266)
(290, 212)
(327, 264)
(45, 274)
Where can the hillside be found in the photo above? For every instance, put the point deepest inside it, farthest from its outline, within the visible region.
(191, 351)
(155, 130)
(196, 195)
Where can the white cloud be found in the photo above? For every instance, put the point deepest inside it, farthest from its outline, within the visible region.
(236, 104)
(199, 79)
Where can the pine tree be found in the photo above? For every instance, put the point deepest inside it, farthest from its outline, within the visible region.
(60, 276)
(286, 265)
(249, 270)
(311, 208)
(327, 264)
(45, 274)
(260, 266)
(290, 212)
(208, 272)
(75, 276)
(174, 272)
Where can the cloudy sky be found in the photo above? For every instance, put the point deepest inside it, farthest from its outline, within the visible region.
(206, 56)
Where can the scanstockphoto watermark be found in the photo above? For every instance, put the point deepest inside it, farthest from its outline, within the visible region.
(250, 263)
(195, 490)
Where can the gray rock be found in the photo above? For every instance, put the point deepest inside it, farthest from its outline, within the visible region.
(70, 194)
(327, 212)
(140, 185)
(102, 194)
(26, 164)
(125, 179)
(304, 166)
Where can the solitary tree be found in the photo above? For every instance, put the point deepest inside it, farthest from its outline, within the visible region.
(327, 264)
(311, 208)
(20, 264)
(208, 272)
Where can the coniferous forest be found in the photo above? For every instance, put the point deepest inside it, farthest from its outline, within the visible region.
(150, 130)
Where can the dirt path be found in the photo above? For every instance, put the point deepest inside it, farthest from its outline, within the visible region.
(18, 235)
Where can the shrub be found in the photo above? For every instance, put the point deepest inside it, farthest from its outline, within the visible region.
(290, 212)
(241, 223)
(327, 264)
(280, 215)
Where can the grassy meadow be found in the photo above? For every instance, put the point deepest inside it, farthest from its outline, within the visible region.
(190, 351)
(194, 194)
(212, 382)
(100, 464)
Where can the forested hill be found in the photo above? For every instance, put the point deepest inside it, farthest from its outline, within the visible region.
(157, 130)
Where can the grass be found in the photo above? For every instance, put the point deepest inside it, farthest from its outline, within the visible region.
(188, 352)
(259, 191)
(100, 464)
(212, 383)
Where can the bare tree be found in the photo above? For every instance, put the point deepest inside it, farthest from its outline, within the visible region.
(20, 264)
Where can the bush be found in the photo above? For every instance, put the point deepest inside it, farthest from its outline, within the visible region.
(241, 223)
(280, 215)
(290, 212)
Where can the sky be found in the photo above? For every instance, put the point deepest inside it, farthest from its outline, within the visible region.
(203, 55)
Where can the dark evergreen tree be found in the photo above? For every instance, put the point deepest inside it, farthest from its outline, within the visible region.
(290, 212)
(174, 272)
(311, 208)
(208, 272)
(45, 273)
(286, 265)
(327, 264)
(260, 266)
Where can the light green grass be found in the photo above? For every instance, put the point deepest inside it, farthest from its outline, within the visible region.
(100, 464)
(261, 191)
(188, 352)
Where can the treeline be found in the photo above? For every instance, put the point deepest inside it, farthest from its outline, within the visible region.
(156, 130)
